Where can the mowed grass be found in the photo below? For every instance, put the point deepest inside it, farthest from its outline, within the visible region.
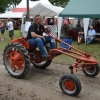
(93, 49)
(7, 39)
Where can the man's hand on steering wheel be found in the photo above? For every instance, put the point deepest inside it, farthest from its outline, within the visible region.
(43, 38)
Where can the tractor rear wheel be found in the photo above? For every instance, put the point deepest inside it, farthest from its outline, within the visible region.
(44, 64)
(16, 60)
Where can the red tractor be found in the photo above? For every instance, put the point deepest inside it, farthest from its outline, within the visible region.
(18, 55)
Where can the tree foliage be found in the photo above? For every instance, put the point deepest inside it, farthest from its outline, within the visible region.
(3, 5)
(10, 4)
(61, 3)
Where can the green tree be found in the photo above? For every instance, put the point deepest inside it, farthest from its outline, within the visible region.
(61, 3)
(14, 3)
(3, 5)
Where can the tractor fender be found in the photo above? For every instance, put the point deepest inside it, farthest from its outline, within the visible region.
(21, 41)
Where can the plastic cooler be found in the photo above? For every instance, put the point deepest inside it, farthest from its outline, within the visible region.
(67, 40)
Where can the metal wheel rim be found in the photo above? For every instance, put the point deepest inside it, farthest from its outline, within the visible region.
(88, 72)
(8, 64)
(66, 90)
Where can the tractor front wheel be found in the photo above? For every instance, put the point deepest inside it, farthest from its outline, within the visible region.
(70, 85)
(16, 60)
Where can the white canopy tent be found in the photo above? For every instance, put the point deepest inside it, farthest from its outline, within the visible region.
(46, 10)
(10, 14)
(21, 8)
(42, 7)
(14, 13)
(23, 4)
(86, 25)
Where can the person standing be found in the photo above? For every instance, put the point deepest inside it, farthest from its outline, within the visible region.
(18, 24)
(70, 26)
(78, 25)
(2, 27)
(65, 29)
(10, 29)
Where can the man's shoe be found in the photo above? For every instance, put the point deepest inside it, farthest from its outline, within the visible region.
(46, 57)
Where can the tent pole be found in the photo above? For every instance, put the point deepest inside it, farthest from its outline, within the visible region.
(59, 26)
(27, 17)
(22, 26)
(86, 24)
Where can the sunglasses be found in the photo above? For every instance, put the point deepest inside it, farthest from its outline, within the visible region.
(36, 16)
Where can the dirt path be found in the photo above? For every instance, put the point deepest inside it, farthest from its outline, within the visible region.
(44, 85)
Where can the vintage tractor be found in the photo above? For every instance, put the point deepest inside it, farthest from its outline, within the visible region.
(18, 55)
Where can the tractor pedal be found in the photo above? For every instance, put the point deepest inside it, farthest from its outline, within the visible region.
(55, 53)
(36, 58)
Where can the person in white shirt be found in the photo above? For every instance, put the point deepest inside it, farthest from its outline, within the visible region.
(91, 35)
(10, 29)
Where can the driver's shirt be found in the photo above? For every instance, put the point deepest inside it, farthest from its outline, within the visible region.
(34, 28)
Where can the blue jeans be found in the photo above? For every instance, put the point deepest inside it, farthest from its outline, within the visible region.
(38, 42)
(89, 40)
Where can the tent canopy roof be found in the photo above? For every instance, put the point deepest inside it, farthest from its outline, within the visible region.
(23, 3)
(10, 14)
(21, 8)
(45, 10)
(82, 9)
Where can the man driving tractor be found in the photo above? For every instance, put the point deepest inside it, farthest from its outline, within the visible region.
(18, 55)
(35, 36)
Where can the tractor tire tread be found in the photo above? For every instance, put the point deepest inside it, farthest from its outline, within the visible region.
(26, 58)
(76, 81)
(95, 74)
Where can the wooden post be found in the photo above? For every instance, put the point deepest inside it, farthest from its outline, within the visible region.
(27, 17)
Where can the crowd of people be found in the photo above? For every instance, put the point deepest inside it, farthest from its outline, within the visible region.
(66, 27)
(91, 33)
(3, 26)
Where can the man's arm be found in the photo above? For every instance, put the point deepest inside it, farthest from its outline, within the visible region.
(1, 25)
(94, 33)
(34, 35)
(8, 24)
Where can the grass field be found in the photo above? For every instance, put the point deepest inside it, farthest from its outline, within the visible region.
(7, 39)
(93, 48)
